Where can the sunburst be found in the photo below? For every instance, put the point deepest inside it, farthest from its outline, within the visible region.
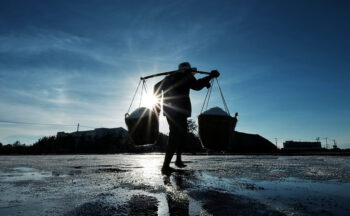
(149, 100)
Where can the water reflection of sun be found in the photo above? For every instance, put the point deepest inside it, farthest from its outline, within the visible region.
(150, 167)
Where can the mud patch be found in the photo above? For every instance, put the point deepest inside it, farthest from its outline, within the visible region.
(78, 167)
(218, 203)
(252, 187)
(110, 170)
(143, 205)
(92, 209)
(143, 187)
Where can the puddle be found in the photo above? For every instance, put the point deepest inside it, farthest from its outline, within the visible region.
(307, 195)
(23, 174)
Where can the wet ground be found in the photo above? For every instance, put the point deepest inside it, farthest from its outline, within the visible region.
(210, 185)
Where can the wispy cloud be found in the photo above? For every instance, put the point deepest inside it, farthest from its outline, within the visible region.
(35, 40)
(77, 62)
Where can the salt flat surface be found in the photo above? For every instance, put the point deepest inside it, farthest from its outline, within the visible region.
(210, 185)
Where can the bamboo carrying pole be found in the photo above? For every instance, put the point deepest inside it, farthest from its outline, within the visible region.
(194, 70)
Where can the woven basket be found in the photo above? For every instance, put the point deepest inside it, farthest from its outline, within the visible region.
(215, 132)
(143, 130)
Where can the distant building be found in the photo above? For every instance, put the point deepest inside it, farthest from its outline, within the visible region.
(98, 132)
(301, 145)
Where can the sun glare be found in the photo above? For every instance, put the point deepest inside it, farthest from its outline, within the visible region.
(149, 100)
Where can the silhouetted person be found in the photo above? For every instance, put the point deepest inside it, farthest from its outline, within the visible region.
(177, 107)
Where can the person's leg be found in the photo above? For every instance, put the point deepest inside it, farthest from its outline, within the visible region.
(174, 133)
(181, 141)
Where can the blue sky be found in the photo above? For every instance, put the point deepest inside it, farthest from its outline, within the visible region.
(284, 64)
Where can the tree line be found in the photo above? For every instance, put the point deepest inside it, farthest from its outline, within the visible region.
(107, 144)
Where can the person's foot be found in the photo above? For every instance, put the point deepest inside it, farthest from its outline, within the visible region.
(180, 164)
(167, 170)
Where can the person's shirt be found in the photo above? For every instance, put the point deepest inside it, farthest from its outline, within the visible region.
(175, 89)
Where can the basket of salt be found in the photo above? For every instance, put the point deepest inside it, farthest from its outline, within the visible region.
(215, 129)
(143, 126)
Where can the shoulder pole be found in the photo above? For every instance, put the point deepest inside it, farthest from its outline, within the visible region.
(170, 72)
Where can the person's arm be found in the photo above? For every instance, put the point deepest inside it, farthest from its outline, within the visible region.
(198, 84)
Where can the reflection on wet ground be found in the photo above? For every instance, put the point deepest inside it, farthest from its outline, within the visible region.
(210, 185)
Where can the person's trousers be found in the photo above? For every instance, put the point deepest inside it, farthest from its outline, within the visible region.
(177, 137)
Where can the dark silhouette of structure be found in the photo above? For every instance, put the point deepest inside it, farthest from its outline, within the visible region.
(97, 132)
(250, 143)
(175, 89)
(100, 141)
(302, 146)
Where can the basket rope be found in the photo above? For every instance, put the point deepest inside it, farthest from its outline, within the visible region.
(143, 89)
(222, 96)
(207, 96)
(134, 96)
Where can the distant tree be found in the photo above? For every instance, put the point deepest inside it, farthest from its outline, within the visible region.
(192, 126)
(193, 143)
(17, 143)
(44, 145)
(0, 144)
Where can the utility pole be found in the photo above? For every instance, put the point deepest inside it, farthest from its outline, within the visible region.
(335, 144)
(78, 127)
(317, 139)
(276, 142)
(326, 138)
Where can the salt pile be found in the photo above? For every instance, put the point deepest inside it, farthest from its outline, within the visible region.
(140, 112)
(217, 111)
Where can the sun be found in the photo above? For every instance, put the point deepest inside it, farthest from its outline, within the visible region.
(149, 100)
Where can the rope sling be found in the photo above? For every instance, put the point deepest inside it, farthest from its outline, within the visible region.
(143, 89)
(206, 99)
(207, 96)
